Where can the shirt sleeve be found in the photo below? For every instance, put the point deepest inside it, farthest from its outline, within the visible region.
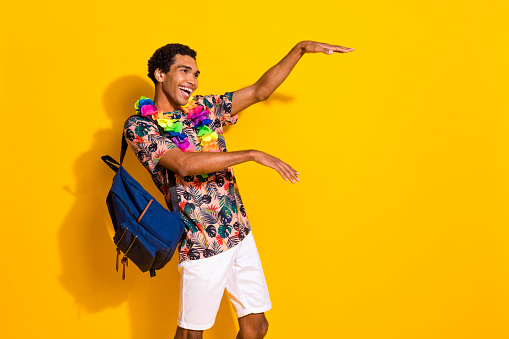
(147, 143)
(222, 106)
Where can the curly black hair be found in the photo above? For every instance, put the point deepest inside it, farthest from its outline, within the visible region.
(164, 57)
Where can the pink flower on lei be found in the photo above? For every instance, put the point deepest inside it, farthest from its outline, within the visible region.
(148, 110)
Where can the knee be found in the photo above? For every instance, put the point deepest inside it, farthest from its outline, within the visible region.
(188, 334)
(256, 330)
(264, 328)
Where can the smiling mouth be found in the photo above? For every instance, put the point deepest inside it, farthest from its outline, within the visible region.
(186, 91)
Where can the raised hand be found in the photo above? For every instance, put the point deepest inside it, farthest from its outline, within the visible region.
(270, 80)
(320, 47)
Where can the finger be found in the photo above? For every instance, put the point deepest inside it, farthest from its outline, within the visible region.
(294, 171)
(329, 49)
(292, 174)
(282, 174)
(296, 175)
(285, 173)
(289, 172)
(290, 168)
(285, 170)
(340, 49)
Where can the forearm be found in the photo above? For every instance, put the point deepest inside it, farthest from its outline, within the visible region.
(195, 163)
(275, 76)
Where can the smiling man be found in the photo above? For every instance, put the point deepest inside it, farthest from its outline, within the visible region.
(185, 140)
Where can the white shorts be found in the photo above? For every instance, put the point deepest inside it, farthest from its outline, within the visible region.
(203, 281)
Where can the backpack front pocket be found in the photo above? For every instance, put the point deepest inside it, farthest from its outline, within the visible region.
(131, 240)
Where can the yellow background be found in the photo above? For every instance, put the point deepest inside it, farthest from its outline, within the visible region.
(398, 228)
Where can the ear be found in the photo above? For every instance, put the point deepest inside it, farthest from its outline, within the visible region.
(159, 75)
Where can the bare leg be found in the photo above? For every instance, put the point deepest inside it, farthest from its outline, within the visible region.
(182, 333)
(253, 326)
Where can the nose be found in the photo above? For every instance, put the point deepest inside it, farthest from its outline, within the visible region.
(192, 80)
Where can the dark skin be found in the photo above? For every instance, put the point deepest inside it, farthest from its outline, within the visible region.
(171, 94)
(252, 326)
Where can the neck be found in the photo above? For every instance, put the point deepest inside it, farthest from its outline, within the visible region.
(162, 103)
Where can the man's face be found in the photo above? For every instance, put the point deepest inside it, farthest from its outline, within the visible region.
(181, 81)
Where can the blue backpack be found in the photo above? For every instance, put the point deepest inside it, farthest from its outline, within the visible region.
(145, 231)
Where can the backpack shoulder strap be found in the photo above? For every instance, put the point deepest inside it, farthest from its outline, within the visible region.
(123, 147)
(112, 163)
(171, 175)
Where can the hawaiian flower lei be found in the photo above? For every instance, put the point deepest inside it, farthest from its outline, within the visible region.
(199, 118)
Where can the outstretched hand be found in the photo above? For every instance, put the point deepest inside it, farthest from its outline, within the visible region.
(320, 47)
(286, 171)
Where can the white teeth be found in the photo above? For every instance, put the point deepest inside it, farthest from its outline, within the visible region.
(188, 90)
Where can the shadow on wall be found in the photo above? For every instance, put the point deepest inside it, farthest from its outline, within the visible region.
(275, 97)
(281, 97)
(85, 238)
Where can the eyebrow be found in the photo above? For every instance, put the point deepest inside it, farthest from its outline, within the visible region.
(188, 68)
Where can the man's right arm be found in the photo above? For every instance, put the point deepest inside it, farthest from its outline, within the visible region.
(195, 163)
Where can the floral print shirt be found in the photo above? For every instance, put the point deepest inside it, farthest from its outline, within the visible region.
(212, 208)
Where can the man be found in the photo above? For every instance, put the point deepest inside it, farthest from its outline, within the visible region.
(218, 249)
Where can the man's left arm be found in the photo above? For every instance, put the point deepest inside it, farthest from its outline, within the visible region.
(275, 76)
